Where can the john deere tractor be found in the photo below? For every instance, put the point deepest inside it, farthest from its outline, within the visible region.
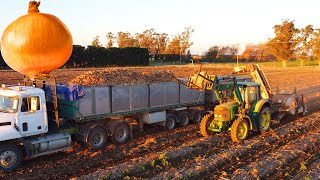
(245, 102)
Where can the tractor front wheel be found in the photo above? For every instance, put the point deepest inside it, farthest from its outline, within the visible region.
(239, 130)
(204, 125)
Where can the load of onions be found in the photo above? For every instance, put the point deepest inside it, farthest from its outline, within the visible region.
(36, 43)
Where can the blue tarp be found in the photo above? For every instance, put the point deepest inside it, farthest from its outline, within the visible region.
(66, 92)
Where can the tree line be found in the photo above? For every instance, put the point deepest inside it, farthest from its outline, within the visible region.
(288, 43)
(100, 57)
(160, 45)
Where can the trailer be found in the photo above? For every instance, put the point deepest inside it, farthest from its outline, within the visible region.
(35, 120)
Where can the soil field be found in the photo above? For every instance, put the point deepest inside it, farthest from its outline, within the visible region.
(291, 149)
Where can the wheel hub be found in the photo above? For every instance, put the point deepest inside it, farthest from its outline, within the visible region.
(8, 159)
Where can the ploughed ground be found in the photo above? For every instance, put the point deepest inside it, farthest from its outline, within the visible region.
(289, 150)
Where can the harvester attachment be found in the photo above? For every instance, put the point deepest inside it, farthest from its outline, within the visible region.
(200, 80)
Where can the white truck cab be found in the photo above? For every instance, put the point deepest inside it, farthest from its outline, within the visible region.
(22, 112)
(24, 126)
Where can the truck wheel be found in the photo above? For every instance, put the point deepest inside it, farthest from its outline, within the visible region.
(10, 158)
(204, 124)
(264, 119)
(239, 130)
(121, 133)
(184, 118)
(171, 122)
(196, 117)
(97, 138)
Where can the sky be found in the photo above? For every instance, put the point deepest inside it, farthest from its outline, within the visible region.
(216, 22)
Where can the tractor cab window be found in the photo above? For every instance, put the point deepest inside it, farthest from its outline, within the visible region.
(252, 94)
(30, 104)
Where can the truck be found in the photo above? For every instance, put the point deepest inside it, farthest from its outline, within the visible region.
(41, 116)
(245, 102)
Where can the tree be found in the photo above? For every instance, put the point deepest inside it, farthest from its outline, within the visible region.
(282, 46)
(96, 42)
(212, 53)
(185, 39)
(126, 40)
(110, 37)
(303, 50)
(315, 45)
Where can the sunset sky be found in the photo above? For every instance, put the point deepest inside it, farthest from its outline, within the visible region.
(216, 22)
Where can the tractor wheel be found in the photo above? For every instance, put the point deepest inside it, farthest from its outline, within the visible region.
(121, 133)
(205, 123)
(97, 138)
(10, 158)
(264, 119)
(239, 130)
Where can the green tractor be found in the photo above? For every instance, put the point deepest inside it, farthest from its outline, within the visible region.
(245, 102)
(240, 110)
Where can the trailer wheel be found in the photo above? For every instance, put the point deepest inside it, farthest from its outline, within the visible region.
(171, 122)
(97, 138)
(239, 130)
(121, 133)
(10, 158)
(184, 118)
(264, 119)
(196, 116)
(204, 125)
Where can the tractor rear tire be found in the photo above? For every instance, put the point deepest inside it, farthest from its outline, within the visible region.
(239, 130)
(204, 124)
(264, 119)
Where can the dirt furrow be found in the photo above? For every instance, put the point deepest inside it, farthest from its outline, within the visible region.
(273, 165)
(207, 156)
(62, 165)
(212, 164)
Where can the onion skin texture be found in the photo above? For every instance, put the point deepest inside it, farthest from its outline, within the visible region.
(36, 43)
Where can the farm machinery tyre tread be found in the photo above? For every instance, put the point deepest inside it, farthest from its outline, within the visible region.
(239, 130)
(264, 119)
(204, 124)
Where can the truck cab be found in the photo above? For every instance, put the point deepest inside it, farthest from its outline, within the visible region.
(22, 112)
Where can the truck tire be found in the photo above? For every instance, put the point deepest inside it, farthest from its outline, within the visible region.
(184, 118)
(96, 138)
(239, 130)
(10, 158)
(264, 119)
(121, 133)
(205, 123)
(171, 122)
(196, 116)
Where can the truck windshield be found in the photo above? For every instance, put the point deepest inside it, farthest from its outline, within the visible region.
(8, 104)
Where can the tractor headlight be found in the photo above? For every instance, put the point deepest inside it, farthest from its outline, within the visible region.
(220, 115)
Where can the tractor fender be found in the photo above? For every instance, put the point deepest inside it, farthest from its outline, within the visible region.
(260, 104)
